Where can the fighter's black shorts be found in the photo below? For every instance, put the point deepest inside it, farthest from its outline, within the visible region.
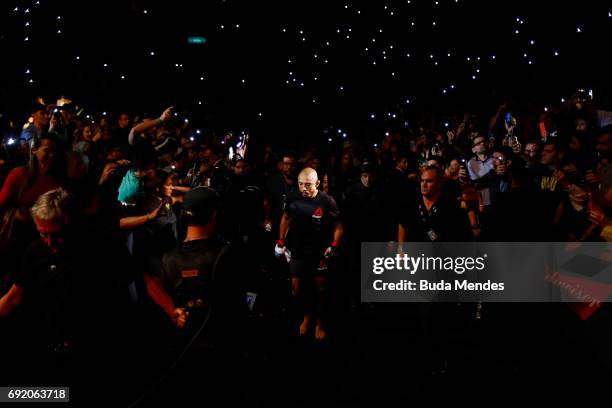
(307, 267)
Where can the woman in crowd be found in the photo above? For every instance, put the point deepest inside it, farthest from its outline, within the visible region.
(22, 187)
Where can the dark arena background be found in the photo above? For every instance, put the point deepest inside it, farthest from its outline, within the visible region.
(156, 170)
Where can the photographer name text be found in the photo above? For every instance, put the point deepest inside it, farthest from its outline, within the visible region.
(425, 285)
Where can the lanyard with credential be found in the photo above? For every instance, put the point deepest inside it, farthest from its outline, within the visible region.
(425, 217)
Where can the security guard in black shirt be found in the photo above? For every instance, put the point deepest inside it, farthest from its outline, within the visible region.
(201, 277)
(200, 288)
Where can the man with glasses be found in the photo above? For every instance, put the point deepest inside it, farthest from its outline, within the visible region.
(479, 166)
(312, 227)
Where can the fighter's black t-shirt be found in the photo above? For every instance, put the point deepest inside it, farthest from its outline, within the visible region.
(312, 224)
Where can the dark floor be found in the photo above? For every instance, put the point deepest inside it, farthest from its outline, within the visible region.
(384, 355)
(376, 355)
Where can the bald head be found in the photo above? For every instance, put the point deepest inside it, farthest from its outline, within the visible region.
(308, 181)
(308, 173)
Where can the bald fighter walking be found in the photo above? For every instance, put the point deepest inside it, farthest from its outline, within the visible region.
(312, 229)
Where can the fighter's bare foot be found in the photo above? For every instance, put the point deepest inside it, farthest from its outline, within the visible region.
(320, 332)
(304, 326)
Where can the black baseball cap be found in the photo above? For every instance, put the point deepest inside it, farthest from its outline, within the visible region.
(369, 168)
(200, 204)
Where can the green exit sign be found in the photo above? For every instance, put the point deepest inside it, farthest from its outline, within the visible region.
(196, 40)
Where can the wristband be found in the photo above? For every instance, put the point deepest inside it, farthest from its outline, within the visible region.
(280, 243)
(334, 244)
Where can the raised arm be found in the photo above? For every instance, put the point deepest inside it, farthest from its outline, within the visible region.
(148, 124)
(10, 300)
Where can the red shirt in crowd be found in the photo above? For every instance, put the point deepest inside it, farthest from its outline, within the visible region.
(9, 196)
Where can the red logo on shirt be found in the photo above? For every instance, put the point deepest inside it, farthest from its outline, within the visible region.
(318, 213)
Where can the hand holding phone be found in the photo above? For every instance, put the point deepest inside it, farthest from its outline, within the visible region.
(167, 114)
(463, 174)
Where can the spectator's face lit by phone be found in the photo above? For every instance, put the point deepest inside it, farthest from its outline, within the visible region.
(168, 184)
(532, 150)
(402, 164)
(45, 153)
(499, 158)
(240, 168)
(604, 145)
(288, 166)
(41, 118)
(367, 180)
(582, 125)
(87, 133)
(67, 115)
(454, 167)
(123, 121)
(479, 145)
(549, 155)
